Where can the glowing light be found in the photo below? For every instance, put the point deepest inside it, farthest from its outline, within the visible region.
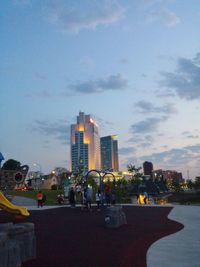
(141, 199)
(81, 128)
(86, 140)
(93, 122)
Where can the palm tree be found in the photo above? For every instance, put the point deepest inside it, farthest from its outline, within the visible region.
(136, 174)
(134, 170)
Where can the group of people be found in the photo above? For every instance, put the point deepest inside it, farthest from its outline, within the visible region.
(85, 195)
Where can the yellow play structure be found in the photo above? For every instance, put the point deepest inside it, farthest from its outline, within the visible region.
(141, 198)
(149, 200)
(17, 211)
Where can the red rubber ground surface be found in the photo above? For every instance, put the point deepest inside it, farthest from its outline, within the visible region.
(71, 237)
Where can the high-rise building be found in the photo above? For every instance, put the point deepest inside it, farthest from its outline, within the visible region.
(85, 144)
(109, 153)
(148, 168)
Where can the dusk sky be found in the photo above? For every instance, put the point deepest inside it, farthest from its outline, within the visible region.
(134, 65)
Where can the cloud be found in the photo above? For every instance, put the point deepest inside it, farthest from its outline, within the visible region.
(164, 16)
(112, 82)
(102, 123)
(148, 125)
(185, 80)
(126, 150)
(176, 158)
(179, 159)
(60, 130)
(69, 15)
(142, 141)
(191, 135)
(148, 107)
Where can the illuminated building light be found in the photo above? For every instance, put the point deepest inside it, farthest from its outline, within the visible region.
(81, 128)
(86, 140)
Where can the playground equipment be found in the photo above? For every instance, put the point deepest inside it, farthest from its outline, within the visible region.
(9, 179)
(141, 199)
(150, 200)
(20, 212)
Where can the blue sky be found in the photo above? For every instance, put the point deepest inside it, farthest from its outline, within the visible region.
(134, 65)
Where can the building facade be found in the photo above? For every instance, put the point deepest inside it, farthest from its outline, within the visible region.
(109, 153)
(85, 144)
(168, 175)
(148, 168)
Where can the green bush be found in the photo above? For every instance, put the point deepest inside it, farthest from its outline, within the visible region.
(54, 187)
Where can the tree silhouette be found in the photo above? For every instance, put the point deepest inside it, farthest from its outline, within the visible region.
(11, 165)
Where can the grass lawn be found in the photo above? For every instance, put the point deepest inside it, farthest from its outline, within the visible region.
(50, 195)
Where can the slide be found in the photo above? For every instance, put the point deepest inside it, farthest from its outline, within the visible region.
(18, 211)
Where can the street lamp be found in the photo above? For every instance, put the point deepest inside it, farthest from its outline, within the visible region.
(40, 172)
(37, 164)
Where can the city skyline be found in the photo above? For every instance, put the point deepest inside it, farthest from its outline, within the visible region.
(133, 65)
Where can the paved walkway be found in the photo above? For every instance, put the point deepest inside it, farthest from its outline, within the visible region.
(181, 249)
(24, 201)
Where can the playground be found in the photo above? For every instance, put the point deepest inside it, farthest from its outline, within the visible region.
(72, 237)
(79, 237)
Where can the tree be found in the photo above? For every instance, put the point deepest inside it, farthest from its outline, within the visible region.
(190, 183)
(176, 185)
(136, 174)
(11, 165)
(197, 183)
(92, 182)
(78, 174)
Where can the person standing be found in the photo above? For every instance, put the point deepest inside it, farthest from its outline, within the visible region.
(83, 198)
(89, 198)
(146, 197)
(72, 198)
(98, 199)
(107, 193)
(40, 199)
(60, 198)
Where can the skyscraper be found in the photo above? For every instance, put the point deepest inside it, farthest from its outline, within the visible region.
(85, 144)
(148, 168)
(109, 153)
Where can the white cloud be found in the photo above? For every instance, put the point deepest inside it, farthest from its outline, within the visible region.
(126, 150)
(185, 80)
(148, 107)
(148, 125)
(176, 159)
(69, 15)
(59, 129)
(164, 16)
(112, 82)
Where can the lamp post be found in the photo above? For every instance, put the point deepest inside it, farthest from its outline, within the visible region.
(40, 171)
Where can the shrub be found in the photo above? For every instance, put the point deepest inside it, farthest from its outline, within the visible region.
(54, 187)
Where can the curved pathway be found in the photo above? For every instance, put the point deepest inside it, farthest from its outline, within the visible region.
(181, 249)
